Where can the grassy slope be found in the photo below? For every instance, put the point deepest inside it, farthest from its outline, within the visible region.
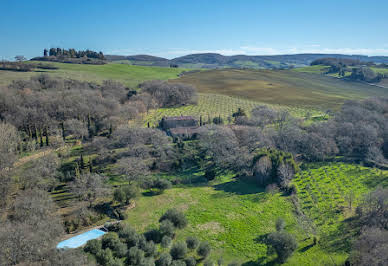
(290, 88)
(324, 190)
(127, 74)
(233, 216)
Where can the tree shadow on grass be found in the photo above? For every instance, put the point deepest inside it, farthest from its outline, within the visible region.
(341, 239)
(262, 261)
(239, 187)
(306, 248)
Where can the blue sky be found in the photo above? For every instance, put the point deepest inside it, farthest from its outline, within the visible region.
(172, 28)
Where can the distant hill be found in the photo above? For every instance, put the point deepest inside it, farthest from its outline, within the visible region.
(214, 60)
(144, 60)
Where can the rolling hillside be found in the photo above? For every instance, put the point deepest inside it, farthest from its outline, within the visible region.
(213, 60)
(282, 87)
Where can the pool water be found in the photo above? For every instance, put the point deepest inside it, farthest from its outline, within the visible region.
(80, 240)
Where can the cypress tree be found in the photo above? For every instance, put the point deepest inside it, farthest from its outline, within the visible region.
(41, 138)
(89, 126)
(90, 165)
(47, 137)
(63, 131)
(82, 163)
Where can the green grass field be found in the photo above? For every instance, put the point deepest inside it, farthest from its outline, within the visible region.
(233, 216)
(316, 69)
(283, 87)
(125, 73)
(380, 70)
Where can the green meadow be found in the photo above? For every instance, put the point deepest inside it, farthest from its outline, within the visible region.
(127, 74)
(234, 216)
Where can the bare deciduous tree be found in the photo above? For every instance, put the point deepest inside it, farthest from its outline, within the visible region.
(9, 140)
(89, 187)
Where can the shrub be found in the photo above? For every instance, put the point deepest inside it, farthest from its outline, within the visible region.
(105, 256)
(176, 217)
(178, 263)
(167, 228)
(272, 188)
(234, 264)
(119, 195)
(210, 174)
(315, 240)
(178, 250)
(110, 240)
(154, 235)
(164, 260)
(283, 243)
(166, 241)
(115, 262)
(135, 256)
(208, 263)
(218, 120)
(119, 249)
(280, 224)
(125, 194)
(162, 185)
(292, 190)
(192, 242)
(204, 249)
(190, 261)
(149, 249)
(129, 235)
(93, 246)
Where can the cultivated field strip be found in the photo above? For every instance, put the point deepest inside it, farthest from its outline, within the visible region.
(214, 105)
(328, 192)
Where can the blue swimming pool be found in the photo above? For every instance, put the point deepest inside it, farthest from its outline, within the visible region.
(80, 240)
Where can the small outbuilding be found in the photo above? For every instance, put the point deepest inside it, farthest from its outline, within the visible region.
(184, 127)
(177, 121)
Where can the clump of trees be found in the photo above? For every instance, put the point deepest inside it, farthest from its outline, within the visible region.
(330, 61)
(371, 246)
(366, 74)
(170, 94)
(274, 166)
(9, 142)
(357, 131)
(30, 232)
(72, 53)
(123, 243)
(72, 56)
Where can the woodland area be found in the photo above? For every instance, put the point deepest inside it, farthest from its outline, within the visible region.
(266, 146)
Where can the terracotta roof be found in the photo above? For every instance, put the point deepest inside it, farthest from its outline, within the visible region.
(175, 118)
